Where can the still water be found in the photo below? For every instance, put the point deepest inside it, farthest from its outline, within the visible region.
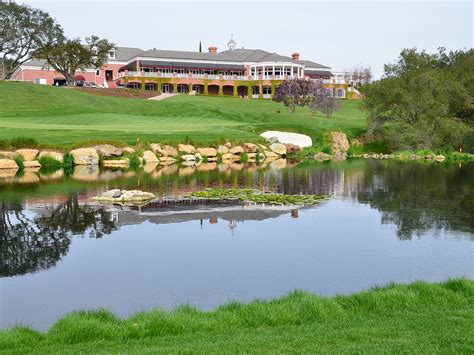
(385, 221)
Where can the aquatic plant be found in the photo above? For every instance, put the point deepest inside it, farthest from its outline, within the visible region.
(256, 196)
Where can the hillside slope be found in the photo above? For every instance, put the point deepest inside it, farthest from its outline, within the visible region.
(59, 116)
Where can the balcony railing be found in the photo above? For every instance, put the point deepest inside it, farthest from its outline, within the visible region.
(214, 76)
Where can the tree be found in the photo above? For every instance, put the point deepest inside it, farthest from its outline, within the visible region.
(293, 93)
(420, 100)
(23, 32)
(320, 99)
(70, 55)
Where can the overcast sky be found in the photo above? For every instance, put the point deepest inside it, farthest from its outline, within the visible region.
(339, 34)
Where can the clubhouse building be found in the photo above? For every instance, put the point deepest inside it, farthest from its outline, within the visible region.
(245, 73)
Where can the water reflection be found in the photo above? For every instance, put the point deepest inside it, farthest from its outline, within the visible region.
(29, 242)
(39, 214)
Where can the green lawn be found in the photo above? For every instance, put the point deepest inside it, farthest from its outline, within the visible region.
(63, 117)
(415, 318)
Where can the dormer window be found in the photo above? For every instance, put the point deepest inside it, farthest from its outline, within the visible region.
(112, 54)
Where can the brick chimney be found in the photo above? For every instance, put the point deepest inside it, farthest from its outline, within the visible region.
(213, 50)
(295, 56)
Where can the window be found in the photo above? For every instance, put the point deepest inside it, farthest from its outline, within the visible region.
(267, 90)
(112, 54)
(341, 93)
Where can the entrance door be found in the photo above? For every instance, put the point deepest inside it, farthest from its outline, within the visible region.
(109, 75)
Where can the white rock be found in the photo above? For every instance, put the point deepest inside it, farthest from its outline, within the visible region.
(300, 140)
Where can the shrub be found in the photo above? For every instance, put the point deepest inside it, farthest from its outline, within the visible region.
(48, 162)
(68, 163)
(19, 161)
(134, 162)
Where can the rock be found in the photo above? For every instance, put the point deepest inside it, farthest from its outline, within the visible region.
(292, 148)
(31, 164)
(156, 148)
(440, 158)
(230, 157)
(8, 164)
(272, 140)
(207, 152)
(52, 154)
(7, 155)
(125, 196)
(186, 149)
(167, 160)
(211, 159)
(250, 148)
(28, 154)
(198, 157)
(252, 155)
(169, 169)
(186, 171)
(108, 150)
(129, 150)
(429, 157)
(270, 154)
(278, 148)
(236, 150)
(85, 156)
(222, 149)
(188, 157)
(300, 140)
(262, 147)
(7, 174)
(339, 144)
(150, 157)
(236, 166)
(228, 145)
(322, 156)
(119, 163)
(169, 151)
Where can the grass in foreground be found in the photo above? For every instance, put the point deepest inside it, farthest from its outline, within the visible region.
(415, 318)
(62, 117)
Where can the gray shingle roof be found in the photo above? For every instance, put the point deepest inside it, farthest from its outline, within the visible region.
(126, 53)
(236, 55)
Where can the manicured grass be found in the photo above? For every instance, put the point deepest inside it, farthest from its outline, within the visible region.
(415, 318)
(63, 117)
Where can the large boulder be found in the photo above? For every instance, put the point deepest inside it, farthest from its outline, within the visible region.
(156, 148)
(270, 154)
(129, 150)
(250, 148)
(51, 154)
(188, 157)
(230, 157)
(207, 152)
(85, 156)
(150, 157)
(222, 149)
(125, 196)
(186, 149)
(278, 148)
(7, 154)
(339, 145)
(28, 154)
(236, 150)
(300, 140)
(8, 164)
(108, 150)
(169, 151)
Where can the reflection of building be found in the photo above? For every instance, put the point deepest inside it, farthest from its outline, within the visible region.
(249, 73)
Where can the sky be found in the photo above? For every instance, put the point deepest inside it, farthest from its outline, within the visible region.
(339, 34)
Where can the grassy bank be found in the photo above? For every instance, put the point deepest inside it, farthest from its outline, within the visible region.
(61, 117)
(415, 318)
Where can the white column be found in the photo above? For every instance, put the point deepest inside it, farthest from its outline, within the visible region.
(273, 69)
(283, 71)
(292, 68)
(263, 72)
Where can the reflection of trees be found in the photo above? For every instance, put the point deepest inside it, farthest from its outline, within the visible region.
(31, 244)
(417, 197)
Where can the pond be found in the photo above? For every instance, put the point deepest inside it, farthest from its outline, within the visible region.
(385, 221)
